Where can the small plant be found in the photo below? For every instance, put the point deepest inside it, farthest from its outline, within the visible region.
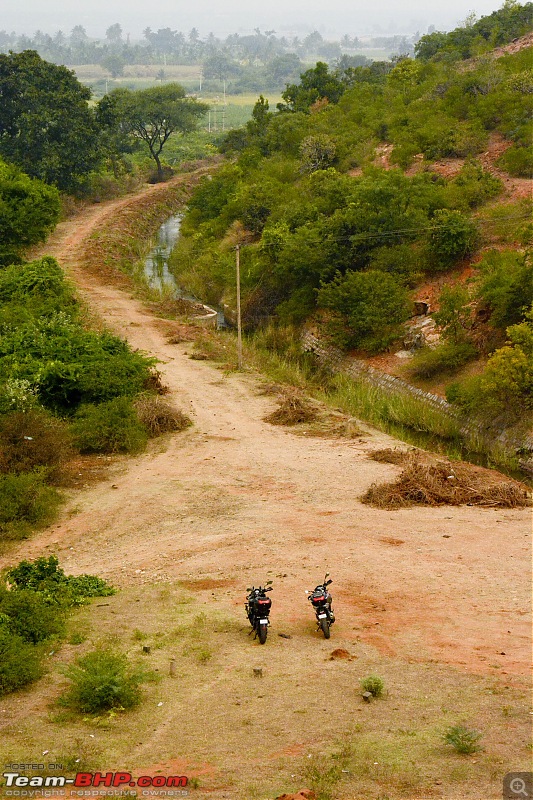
(374, 685)
(25, 503)
(19, 661)
(102, 680)
(110, 427)
(463, 739)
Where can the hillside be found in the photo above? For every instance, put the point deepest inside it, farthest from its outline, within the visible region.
(373, 187)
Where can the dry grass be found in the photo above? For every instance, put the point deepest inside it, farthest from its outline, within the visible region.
(390, 455)
(293, 410)
(160, 417)
(173, 307)
(445, 483)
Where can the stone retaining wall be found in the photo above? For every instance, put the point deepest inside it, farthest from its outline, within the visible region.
(493, 440)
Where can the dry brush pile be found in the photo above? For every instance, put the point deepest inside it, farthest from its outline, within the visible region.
(436, 483)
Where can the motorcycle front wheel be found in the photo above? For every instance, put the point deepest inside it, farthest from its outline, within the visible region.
(324, 626)
(262, 632)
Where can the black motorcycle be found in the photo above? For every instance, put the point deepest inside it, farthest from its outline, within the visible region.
(321, 601)
(258, 609)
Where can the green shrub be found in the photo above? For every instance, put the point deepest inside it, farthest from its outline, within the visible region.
(453, 237)
(462, 739)
(368, 309)
(447, 358)
(374, 685)
(29, 616)
(102, 680)
(518, 161)
(505, 286)
(19, 662)
(506, 384)
(33, 439)
(110, 427)
(46, 577)
(472, 186)
(26, 502)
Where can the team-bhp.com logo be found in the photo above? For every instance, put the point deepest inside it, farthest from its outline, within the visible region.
(89, 780)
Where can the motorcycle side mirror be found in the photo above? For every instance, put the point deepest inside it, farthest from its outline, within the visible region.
(248, 590)
(307, 591)
(328, 582)
(268, 583)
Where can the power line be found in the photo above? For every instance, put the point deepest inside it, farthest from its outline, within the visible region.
(381, 234)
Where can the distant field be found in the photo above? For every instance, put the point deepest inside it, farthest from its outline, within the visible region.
(236, 111)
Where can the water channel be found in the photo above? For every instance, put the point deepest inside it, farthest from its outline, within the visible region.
(156, 271)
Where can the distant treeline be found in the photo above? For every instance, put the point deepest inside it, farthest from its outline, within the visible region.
(167, 46)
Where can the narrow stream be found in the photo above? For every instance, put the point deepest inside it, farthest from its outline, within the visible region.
(156, 269)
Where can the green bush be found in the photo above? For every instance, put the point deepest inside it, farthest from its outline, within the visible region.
(505, 286)
(26, 502)
(453, 237)
(518, 161)
(20, 662)
(29, 616)
(102, 680)
(472, 186)
(46, 577)
(368, 309)
(462, 739)
(111, 427)
(506, 384)
(33, 439)
(447, 358)
(374, 685)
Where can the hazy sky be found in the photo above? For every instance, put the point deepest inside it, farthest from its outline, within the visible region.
(329, 16)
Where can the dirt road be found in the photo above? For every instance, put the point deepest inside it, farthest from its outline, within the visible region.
(235, 500)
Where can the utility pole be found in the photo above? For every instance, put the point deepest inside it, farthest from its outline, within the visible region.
(239, 327)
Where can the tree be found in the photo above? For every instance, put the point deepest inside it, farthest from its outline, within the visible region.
(317, 152)
(114, 34)
(153, 115)
(114, 63)
(314, 85)
(29, 210)
(368, 308)
(46, 125)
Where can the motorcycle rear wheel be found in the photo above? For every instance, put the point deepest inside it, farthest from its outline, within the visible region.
(324, 627)
(262, 633)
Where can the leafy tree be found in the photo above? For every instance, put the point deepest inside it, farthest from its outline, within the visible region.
(221, 67)
(46, 125)
(453, 237)
(506, 385)
(370, 306)
(115, 64)
(315, 84)
(29, 210)
(317, 152)
(153, 115)
(506, 286)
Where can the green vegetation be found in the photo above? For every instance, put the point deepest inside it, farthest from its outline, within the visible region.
(54, 137)
(29, 210)
(150, 116)
(476, 38)
(35, 600)
(62, 388)
(374, 685)
(102, 681)
(462, 739)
